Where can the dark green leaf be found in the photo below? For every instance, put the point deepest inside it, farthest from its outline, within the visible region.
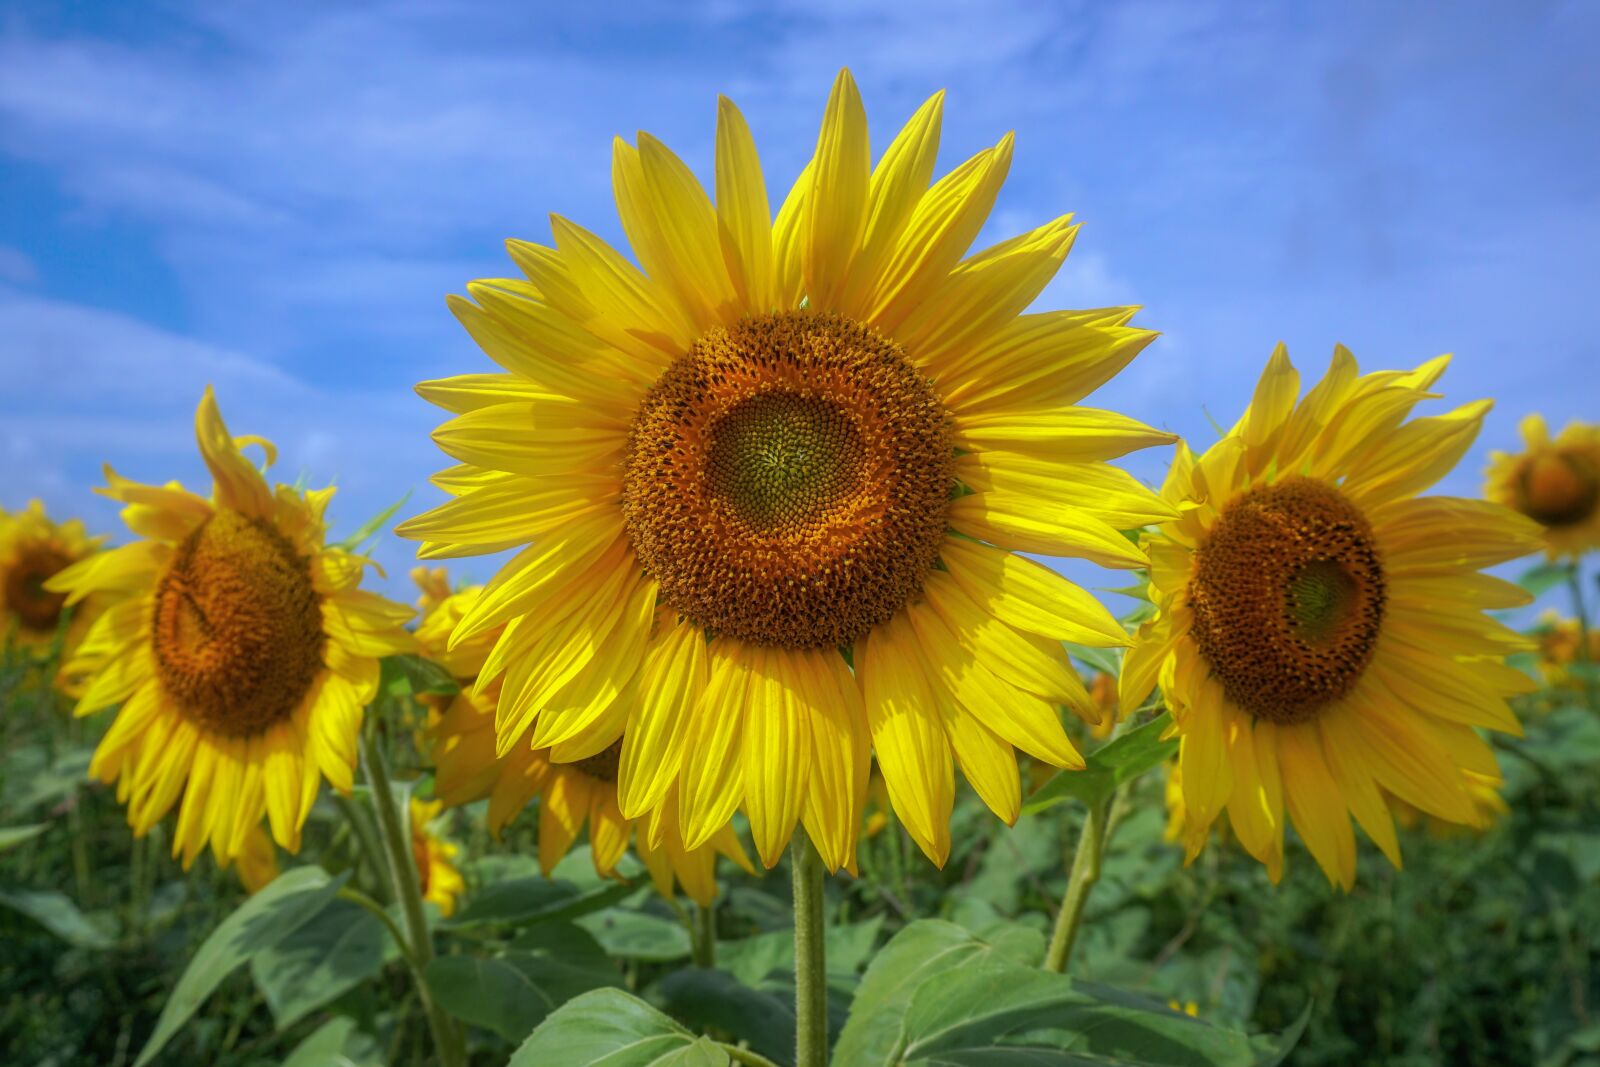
(291, 900)
(750, 959)
(12, 836)
(340, 947)
(716, 999)
(56, 912)
(512, 994)
(612, 1027)
(637, 935)
(336, 1043)
(531, 900)
(408, 675)
(1110, 765)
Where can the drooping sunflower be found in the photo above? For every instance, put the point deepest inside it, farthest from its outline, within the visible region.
(1321, 637)
(1555, 482)
(819, 442)
(240, 648)
(33, 549)
(437, 875)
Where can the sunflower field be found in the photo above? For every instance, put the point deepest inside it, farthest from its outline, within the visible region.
(775, 738)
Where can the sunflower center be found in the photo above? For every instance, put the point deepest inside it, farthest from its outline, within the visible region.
(787, 480)
(602, 766)
(1288, 597)
(238, 626)
(1560, 489)
(24, 592)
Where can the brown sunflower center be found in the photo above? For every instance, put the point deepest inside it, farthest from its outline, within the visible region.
(1288, 598)
(24, 592)
(602, 766)
(238, 626)
(1559, 488)
(787, 480)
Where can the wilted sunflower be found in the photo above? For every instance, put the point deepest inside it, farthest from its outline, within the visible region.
(1556, 483)
(1322, 637)
(437, 875)
(239, 646)
(33, 549)
(819, 442)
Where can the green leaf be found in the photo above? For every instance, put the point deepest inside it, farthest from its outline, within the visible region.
(1104, 660)
(993, 1006)
(637, 935)
(716, 999)
(369, 529)
(56, 912)
(619, 1030)
(408, 675)
(750, 959)
(291, 900)
(342, 946)
(522, 901)
(12, 836)
(922, 950)
(1544, 577)
(513, 993)
(1110, 765)
(336, 1043)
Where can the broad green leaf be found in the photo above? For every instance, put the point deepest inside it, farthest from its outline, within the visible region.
(563, 940)
(336, 1043)
(408, 675)
(750, 959)
(1108, 766)
(1104, 660)
(637, 935)
(532, 900)
(342, 946)
(511, 994)
(12, 836)
(291, 900)
(993, 1006)
(369, 529)
(716, 999)
(56, 912)
(1544, 577)
(616, 1029)
(923, 949)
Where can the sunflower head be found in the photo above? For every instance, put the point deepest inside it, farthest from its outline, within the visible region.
(768, 479)
(238, 645)
(33, 549)
(1555, 482)
(1321, 638)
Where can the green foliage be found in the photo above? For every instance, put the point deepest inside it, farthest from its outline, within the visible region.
(261, 922)
(1111, 765)
(340, 947)
(621, 1030)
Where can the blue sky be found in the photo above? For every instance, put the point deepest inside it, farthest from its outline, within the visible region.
(275, 199)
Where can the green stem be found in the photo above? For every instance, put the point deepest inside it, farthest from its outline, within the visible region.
(370, 852)
(418, 942)
(1084, 874)
(810, 973)
(356, 896)
(704, 935)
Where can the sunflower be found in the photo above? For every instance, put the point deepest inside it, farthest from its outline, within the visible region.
(1488, 808)
(240, 649)
(33, 549)
(437, 875)
(1321, 636)
(769, 490)
(1556, 483)
(1561, 648)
